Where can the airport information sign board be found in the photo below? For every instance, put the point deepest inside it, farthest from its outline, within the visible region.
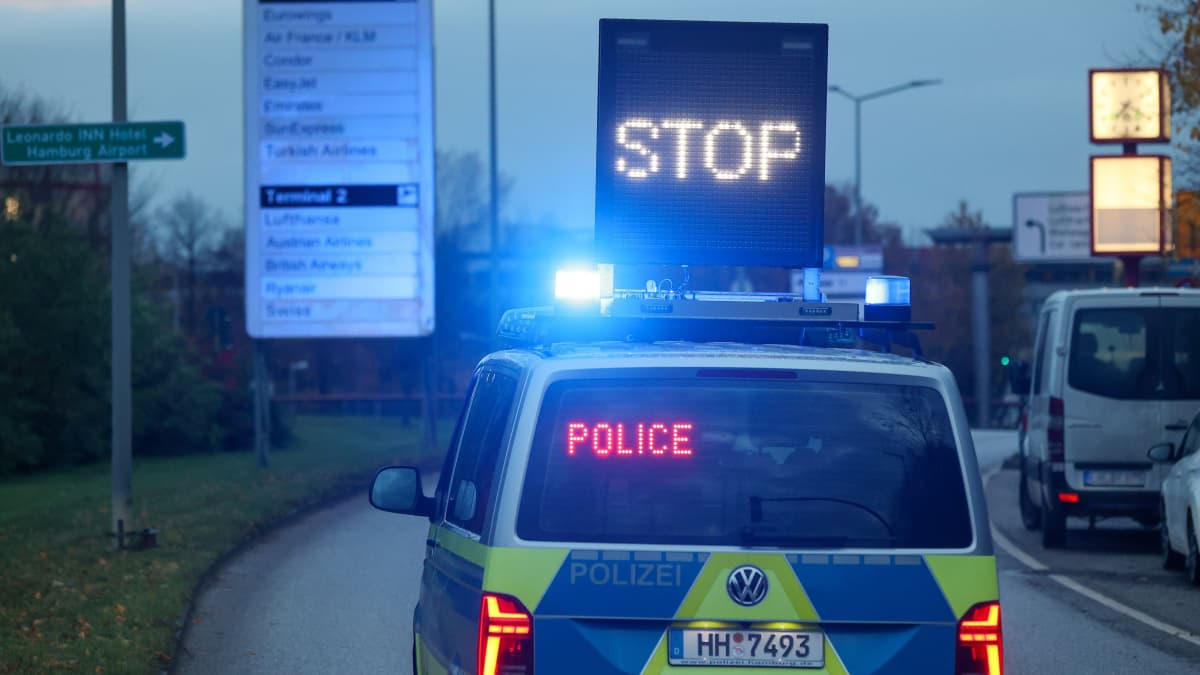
(106, 142)
(339, 168)
(711, 143)
(1050, 227)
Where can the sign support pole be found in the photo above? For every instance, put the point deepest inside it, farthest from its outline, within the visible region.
(858, 214)
(122, 396)
(429, 375)
(262, 406)
(1131, 273)
(981, 334)
(1131, 264)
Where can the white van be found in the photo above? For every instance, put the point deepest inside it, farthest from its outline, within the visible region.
(1114, 372)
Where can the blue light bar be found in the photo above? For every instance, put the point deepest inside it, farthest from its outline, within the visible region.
(577, 285)
(889, 298)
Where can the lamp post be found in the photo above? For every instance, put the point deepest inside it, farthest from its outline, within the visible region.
(494, 308)
(981, 328)
(858, 101)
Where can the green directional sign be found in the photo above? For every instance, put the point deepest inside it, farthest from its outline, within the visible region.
(90, 143)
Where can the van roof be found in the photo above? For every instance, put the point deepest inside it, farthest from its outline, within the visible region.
(1150, 291)
(596, 353)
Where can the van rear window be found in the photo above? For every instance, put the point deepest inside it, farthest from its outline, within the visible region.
(1136, 353)
(739, 461)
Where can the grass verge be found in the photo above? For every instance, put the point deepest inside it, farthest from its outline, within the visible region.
(69, 604)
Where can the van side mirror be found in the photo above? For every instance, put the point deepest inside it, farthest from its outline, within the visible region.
(397, 489)
(1163, 452)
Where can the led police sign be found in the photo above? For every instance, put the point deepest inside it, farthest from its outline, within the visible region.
(711, 143)
(640, 439)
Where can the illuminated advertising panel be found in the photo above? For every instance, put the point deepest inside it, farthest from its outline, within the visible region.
(339, 168)
(1131, 205)
(711, 143)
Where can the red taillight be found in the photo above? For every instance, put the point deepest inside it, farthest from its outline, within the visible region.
(505, 636)
(1068, 497)
(980, 643)
(1055, 430)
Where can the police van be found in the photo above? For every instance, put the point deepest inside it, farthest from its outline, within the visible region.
(674, 483)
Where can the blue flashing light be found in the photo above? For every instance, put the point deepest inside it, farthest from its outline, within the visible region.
(889, 298)
(889, 290)
(577, 285)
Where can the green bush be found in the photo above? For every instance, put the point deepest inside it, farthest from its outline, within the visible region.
(174, 406)
(54, 360)
(236, 413)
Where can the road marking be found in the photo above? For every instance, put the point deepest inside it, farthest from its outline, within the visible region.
(1011, 549)
(1067, 582)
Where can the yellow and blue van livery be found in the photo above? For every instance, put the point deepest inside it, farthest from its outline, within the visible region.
(705, 508)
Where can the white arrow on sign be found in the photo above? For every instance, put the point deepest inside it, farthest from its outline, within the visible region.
(164, 139)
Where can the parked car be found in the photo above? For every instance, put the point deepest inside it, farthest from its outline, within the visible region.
(1112, 368)
(1180, 502)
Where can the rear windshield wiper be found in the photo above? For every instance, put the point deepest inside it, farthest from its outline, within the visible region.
(756, 508)
(770, 535)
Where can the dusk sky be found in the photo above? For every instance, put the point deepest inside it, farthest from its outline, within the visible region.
(1010, 116)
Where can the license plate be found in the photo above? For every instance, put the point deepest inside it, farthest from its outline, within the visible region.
(1108, 478)
(765, 648)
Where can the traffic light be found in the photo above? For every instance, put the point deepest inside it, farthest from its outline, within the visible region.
(1004, 360)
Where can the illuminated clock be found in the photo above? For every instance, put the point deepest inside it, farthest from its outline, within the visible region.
(1130, 106)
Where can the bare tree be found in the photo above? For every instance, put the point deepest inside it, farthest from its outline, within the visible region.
(1179, 25)
(44, 196)
(189, 232)
(74, 195)
(964, 218)
(839, 220)
(462, 208)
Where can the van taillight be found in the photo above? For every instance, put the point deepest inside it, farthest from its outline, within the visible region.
(1056, 431)
(505, 636)
(980, 643)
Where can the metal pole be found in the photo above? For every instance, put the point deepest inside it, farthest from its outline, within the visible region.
(122, 396)
(262, 406)
(858, 214)
(858, 101)
(981, 335)
(429, 417)
(1131, 271)
(494, 177)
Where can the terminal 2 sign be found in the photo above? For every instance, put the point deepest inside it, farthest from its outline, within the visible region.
(339, 168)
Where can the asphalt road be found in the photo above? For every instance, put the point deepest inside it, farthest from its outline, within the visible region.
(1049, 628)
(334, 592)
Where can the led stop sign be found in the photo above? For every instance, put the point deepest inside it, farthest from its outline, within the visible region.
(711, 143)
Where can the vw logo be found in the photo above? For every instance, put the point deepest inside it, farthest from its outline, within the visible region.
(747, 585)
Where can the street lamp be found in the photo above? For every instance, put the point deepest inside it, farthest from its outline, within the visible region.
(858, 101)
(494, 308)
